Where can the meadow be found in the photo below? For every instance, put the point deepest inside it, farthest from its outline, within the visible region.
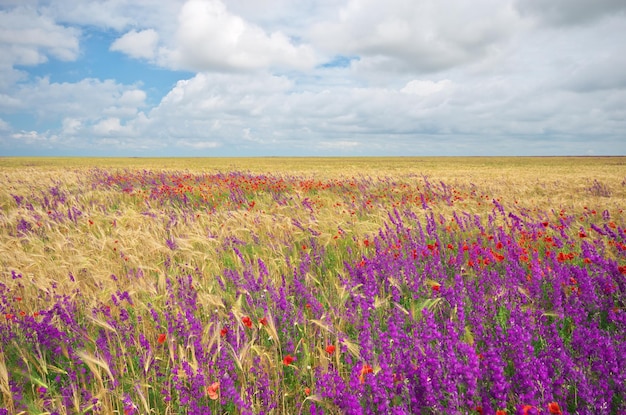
(313, 286)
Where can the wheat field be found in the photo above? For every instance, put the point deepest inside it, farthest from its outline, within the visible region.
(313, 285)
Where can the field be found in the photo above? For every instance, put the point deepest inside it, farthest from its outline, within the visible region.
(313, 286)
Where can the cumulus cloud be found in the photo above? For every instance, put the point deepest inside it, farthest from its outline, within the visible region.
(198, 145)
(569, 12)
(108, 126)
(85, 99)
(425, 88)
(322, 77)
(140, 45)
(426, 36)
(33, 137)
(209, 37)
(117, 15)
(28, 38)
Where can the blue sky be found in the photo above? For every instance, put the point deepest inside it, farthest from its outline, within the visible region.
(312, 78)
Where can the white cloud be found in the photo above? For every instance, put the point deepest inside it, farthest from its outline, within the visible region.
(111, 126)
(118, 15)
(209, 37)
(85, 99)
(404, 35)
(140, 45)
(36, 138)
(425, 88)
(401, 77)
(28, 38)
(198, 145)
(71, 126)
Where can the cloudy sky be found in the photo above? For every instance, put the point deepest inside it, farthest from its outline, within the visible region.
(312, 77)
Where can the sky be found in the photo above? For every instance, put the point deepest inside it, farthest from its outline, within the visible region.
(216, 78)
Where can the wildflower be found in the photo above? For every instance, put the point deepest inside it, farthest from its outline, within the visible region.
(223, 331)
(526, 409)
(307, 391)
(554, 408)
(330, 349)
(162, 337)
(436, 287)
(247, 321)
(212, 390)
(364, 371)
(263, 321)
(289, 359)
(500, 412)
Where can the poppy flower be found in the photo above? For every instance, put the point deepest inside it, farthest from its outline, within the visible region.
(526, 409)
(223, 331)
(364, 371)
(500, 412)
(330, 349)
(289, 359)
(247, 321)
(162, 337)
(554, 408)
(263, 321)
(212, 390)
(307, 391)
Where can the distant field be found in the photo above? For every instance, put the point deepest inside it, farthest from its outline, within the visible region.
(313, 285)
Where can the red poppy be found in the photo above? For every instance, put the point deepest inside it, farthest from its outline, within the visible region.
(289, 359)
(500, 412)
(162, 337)
(330, 349)
(212, 390)
(223, 331)
(247, 321)
(263, 321)
(364, 371)
(554, 408)
(307, 391)
(526, 409)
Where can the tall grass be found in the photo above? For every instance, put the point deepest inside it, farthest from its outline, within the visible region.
(332, 286)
